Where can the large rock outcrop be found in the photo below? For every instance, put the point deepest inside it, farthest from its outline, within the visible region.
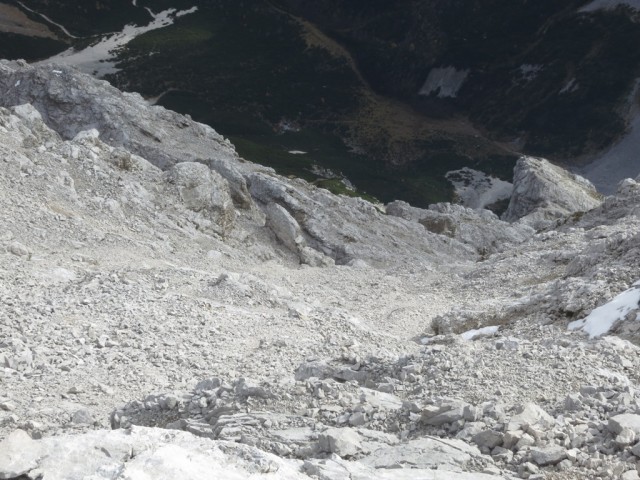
(71, 102)
(544, 193)
(347, 229)
(480, 229)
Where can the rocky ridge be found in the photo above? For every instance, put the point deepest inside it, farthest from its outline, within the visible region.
(205, 308)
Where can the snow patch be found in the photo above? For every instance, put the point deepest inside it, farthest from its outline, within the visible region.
(529, 72)
(446, 82)
(571, 86)
(476, 189)
(98, 58)
(602, 319)
(297, 152)
(609, 4)
(621, 160)
(480, 332)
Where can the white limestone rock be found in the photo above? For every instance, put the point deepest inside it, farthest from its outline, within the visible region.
(618, 423)
(344, 442)
(141, 453)
(550, 455)
(480, 229)
(427, 453)
(544, 193)
(19, 454)
(530, 415)
(348, 229)
(203, 190)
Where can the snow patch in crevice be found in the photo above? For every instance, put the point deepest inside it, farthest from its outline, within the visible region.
(602, 319)
(99, 58)
(528, 72)
(571, 86)
(621, 160)
(480, 332)
(476, 189)
(609, 4)
(444, 82)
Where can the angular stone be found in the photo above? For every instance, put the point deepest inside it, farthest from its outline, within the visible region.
(530, 415)
(82, 417)
(204, 190)
(548, 455)
(386, 401)
(626, 420)
(488, 439)
(316, 368)
(446, 413)
(572, 402)
(19, 454)
(625, 438)
(427, 452)
(630, 475)
(544, 193)
(248, 388)
(344, 442)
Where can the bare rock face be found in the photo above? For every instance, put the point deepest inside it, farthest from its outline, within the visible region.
(70, 102)
(204, 190)
(347, 229)
(480, 229)
(544, 193)
(140, 453)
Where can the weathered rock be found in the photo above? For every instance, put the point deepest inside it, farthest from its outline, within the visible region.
(428, 452)
(624, 421)
(530, 415)
(82, 417)
(341, 227)
(630, 475)
(548, 455)
(70, 102)
(203, 190)
(19, 454)
(480, 229)
(488, 439)
(625, 438)
(544, 193)
(141, 453)
(382, 400)
(316, 368)
(344, 442)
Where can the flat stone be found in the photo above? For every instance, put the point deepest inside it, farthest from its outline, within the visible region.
(82, 417)
(548, 455)
(488, 439)
(19, 454)
(344, 442)
(378, 399)
(427, 452)
(625, 420)
(447, 413)
(531, 415)
(630, 475)
(625, 438)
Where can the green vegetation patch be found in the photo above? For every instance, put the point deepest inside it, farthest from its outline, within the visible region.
(13, 47)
